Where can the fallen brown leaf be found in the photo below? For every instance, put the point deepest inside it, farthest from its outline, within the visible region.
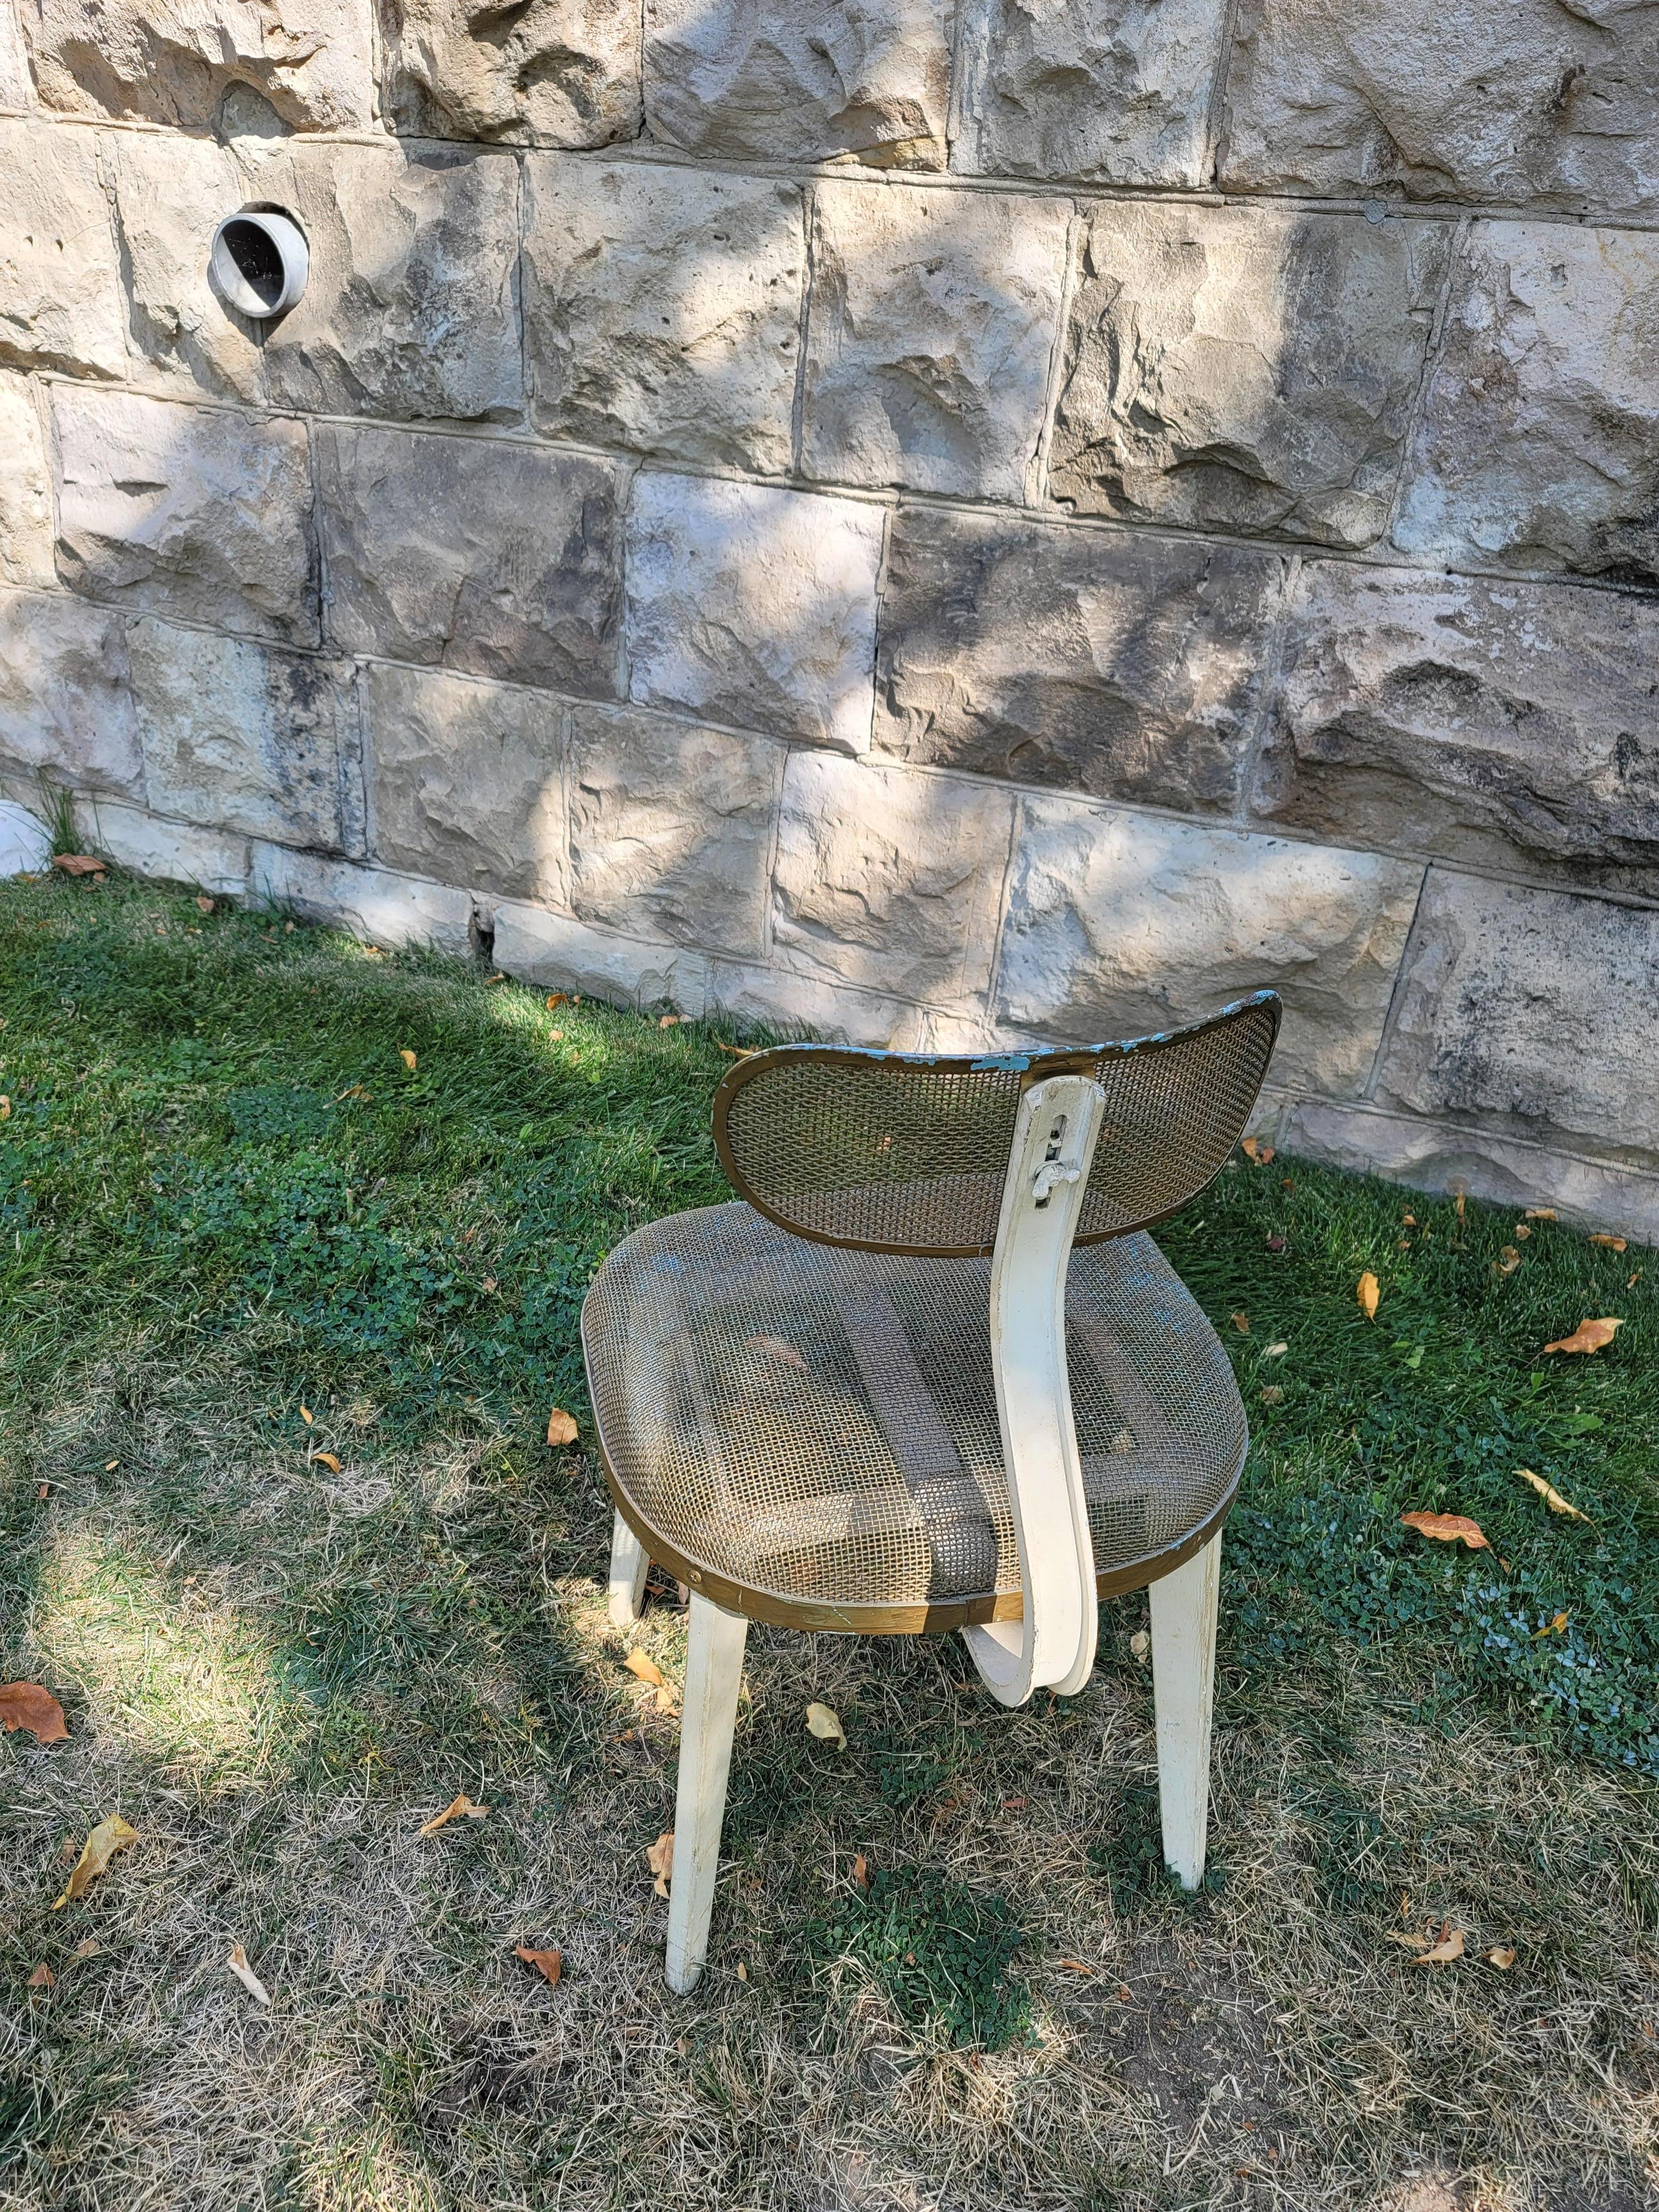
(642, 1664)
(742, 1971)
(205, 904)
(1140, 1647)
(1270, 1393)
(556, 998)
(1537, 1213)
(109, 1837)
(328, 1460)
(561, 1429)
(1612, 1243)
(1073, 1966)
(659, 1857)
(861, 1871)
(43, 1977)
(775, 1348)
(245, 1974)
(306, 1416)
(1551, 1495)
(1450, 1946)
(1507, 1261)
(670, 1021)
(500, 976)
(407, 1058)
(26, 1705)
(1254, 1149)
(1368, 1292)
(79, 864)
(42, 1490)
(1501, 1955)
(1588, 1336)
(824, 1722)
(1241, 1323)
(459, 1808)
(548, 1963)
(1520, 1232)
(89, 1947)
(1448, 1528)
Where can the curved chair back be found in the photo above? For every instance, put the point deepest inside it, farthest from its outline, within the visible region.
(908, 1152)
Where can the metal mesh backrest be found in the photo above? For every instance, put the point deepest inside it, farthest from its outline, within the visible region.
(903, 1152)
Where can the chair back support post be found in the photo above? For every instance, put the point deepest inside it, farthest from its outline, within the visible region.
(1053, 1643)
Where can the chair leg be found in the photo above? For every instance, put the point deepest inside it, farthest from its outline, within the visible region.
(630, 1564)
(1183, 1695)
(714, 1675)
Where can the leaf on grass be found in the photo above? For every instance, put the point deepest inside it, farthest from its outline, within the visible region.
(43, 1977)
(737, 1051)
(1501, 1955)
(1588, 1336)
(1270, 1393)
(500, 976)
(1551, 1495)
(205, 904)
(861, 1871)
(1507, 1261)
(1460, 1204)
(1241, 1323)
(659, 1857)
(670, 1021)
(1073, 1966)
(109, 1837)
(306, 1416)
(561, 1429)
(89, 1947)
(824, 1722)
(1448, 1528)
(1541, 1213)
(548, 1963)
(79, 864)
(1367, 1292)
(1612, 1243)
(407, 1058)
(328, 1460)
(556, 998)
(642, 1664)
(1450, 1946)
(1140, 1646)
(5, 1109)
(26, 1705)
(1521, 1232)
(1274, 1351)
(42, 1490)
(1254, 1149)
(245, 1974)
(775, 1348)
(459, 1808)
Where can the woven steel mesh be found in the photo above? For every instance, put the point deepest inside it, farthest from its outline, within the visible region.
(819, 1424)
(885, 1150)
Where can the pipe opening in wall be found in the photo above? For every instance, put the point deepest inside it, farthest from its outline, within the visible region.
(260, 262)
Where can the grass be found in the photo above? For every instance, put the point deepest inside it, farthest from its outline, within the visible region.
(224, 1197)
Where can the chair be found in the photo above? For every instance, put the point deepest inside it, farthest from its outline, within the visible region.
(929, 1372)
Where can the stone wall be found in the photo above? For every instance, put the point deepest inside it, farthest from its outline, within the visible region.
(937, 527)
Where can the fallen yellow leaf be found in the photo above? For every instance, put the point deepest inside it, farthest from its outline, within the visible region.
(109, 1837)
(659, 1857)
(459, 1808)
(1612, 1243)
(1588, 1336)
(407, 1058)
(1254, 1149)
(1270, 1393)
(1507, 1261)
(824, 1722)
(328, 1460)
(26, 1705)
(861, 1871)
(1073, 1966)
(245, 1974)
(642, 1664)
(1541, 1213)
(561, 1429)
(1551, 1495)
(556, 998)
(1368, 1291)
(548, 1963)
(1241, 1323)
(1275, 1350)
(742, 1971)
(305, 1415)
(1448, 1528)
(1501, 1955)
(1450, 1946)
(1140, 1647)
(1462, 1204)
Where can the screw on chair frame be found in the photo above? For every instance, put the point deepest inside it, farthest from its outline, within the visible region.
(1043, 1163)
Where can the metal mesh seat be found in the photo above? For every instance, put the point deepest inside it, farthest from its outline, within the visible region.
(811, 1433)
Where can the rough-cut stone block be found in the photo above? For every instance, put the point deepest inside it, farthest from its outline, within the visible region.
(775, 80)
(169, 852)
(25, 488)
(65, 705)
(1508, 725)
(372, 903)
(933, 326)
(196, 512)
(832, 1013)
(410, 311)
(671, 828)
(293, 64)
(1532, 1010)
(1124, 665)
(13, 69)
(60, 292)
(662, 309)
(1430, 1156)
(171, 194)
(1540, 444)
(236, 737)
(551, 949)
(550, 73)
(1244, 367)
(468, 781)
(1492, 100)
(473, 553)
(754, 607)
(1116, 90)
(1123, 923)
(888, 878)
